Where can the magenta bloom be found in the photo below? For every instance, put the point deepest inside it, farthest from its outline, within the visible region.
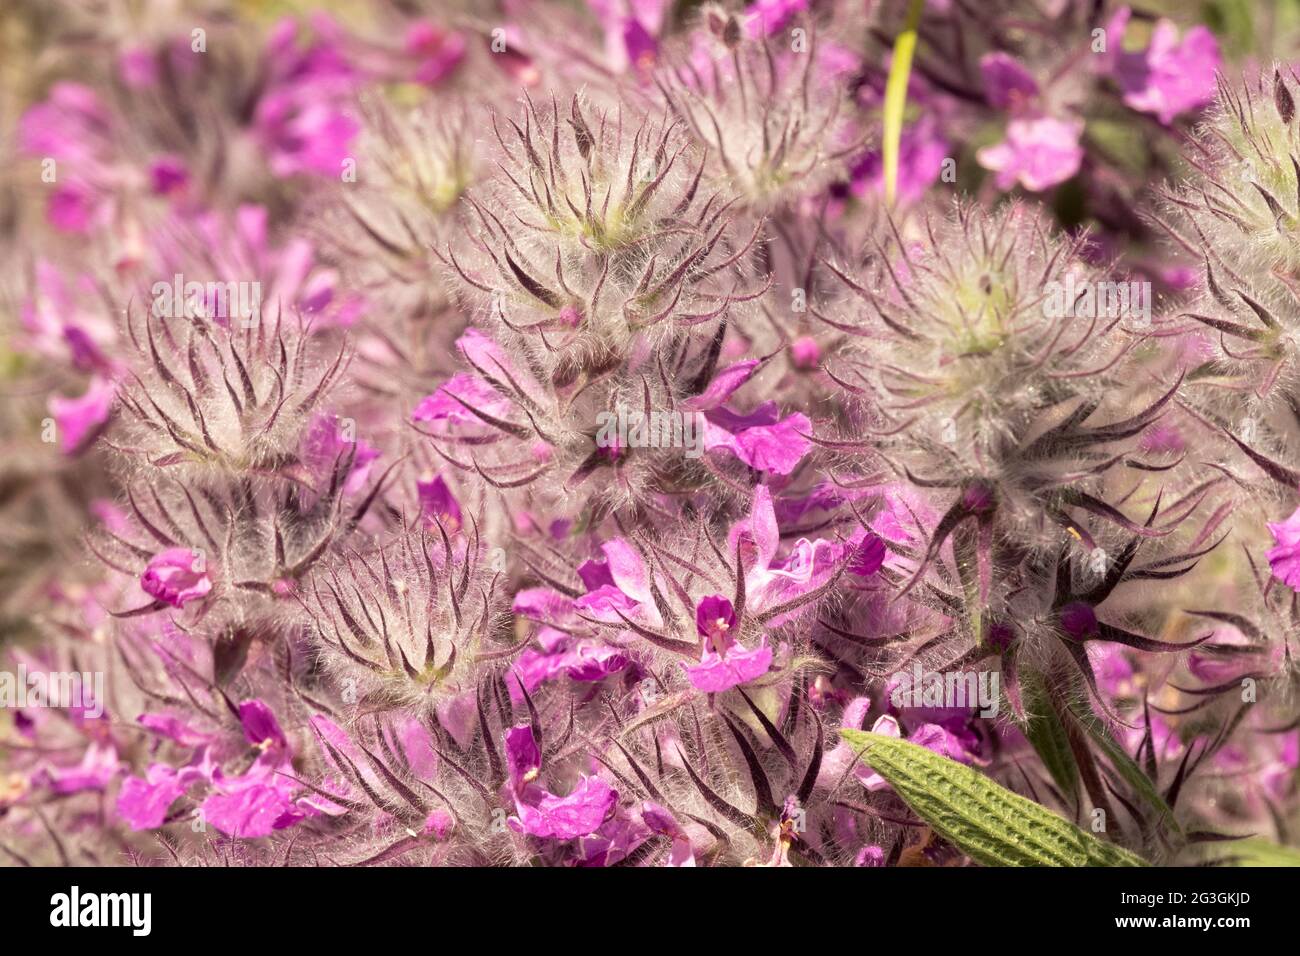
(438, 502)
(1007, 84)
(734, 665)
(176, 577)
(79, 419)
(437, 51)
(541, 813)
(1169, 77)
(143, 803)
(95, 771)
(1038, 153)
(299, 119)
(327, 443)
(1079, 620)
(1285, 558)
(761, 439)
(584, 660)
(715, 618)
(869, 556)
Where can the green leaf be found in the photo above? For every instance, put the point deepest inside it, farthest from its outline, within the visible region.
(900, 68)
(986, 821)
(1260, 852)
(1125, 765)
(1045, 733)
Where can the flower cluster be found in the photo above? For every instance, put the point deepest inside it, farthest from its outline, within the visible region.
(441, 441)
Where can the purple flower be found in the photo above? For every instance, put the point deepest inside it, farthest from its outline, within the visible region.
(298, 120)
(176, 577)
(718, 672)
(562, 655)
(1007, 84)
(95, 771)
(143, 802)
(79, 419)
(768, 17)
(260, 726)
(72, 124)
(168, 174)
(631, 28)
(1168, 77)
(869, 556)
(448, 403)
(541, 813)
(922, 149)
(761, 439)
(1038, 153)
(660, 821)
(437, 501)
(721, 386)
(805, 353)
(629, 592)
(870, 855)
(437, 51)
(724, 664)
(714, 618)
(254, 804)
(328, 442)
(1284, 559)
(523, 758)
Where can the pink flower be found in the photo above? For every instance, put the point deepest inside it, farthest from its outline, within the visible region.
(541, 813)
(176, 577)
(714, 618)
(437, 51)
(1007, 84)
(79, 419)
(299, 120)
(922, 150)
(143, 802)
(1038, 153)
(718, 672)
(761, 439)
(437, 502)
(805, 353)
(1168, 77)
(724, 663)
(328, 443)
(1285, 558)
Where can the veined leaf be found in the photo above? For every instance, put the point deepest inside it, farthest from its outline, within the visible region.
(986, 821)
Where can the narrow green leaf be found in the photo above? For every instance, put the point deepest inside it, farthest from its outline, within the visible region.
(1260, 852)
(1125, 765)
(1045, 733)
(900, 68)
(986, 821)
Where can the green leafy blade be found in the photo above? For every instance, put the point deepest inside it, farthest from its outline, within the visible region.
(986, 821)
